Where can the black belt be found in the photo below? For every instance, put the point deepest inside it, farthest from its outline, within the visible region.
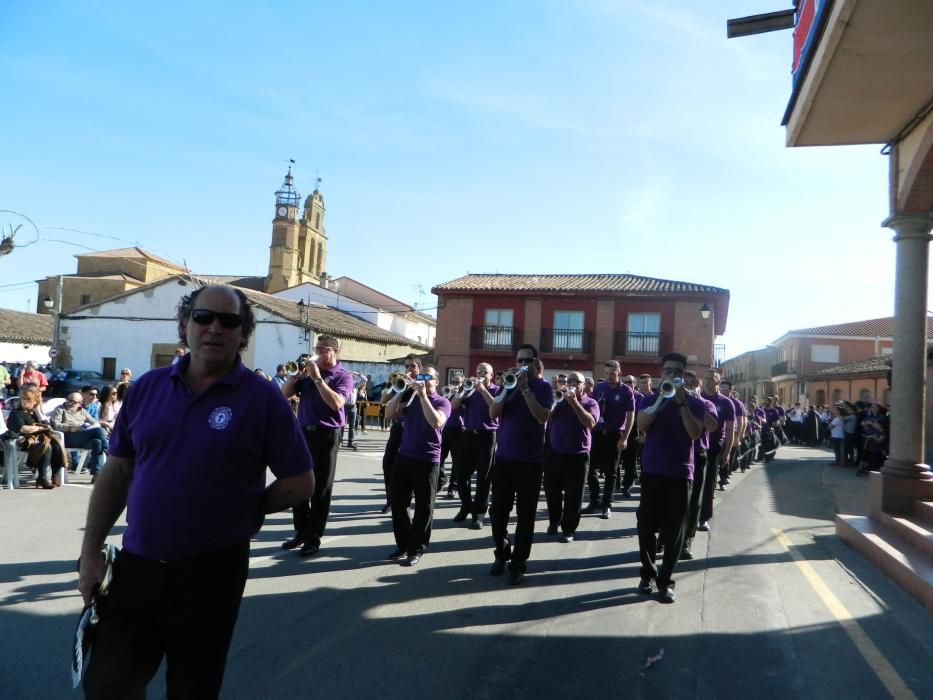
(479, 431)
(317, 428)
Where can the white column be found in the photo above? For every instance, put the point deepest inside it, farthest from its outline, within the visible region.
(910, 347)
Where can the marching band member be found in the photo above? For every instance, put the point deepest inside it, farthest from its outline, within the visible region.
(522, 410)
(477, 445)
(700, 463)
(323, 387)
(670, 426)
(412, 368)
(572, 419)
(450, 440)
(417, 464)
(629, 457)
(610, 437)
(720, 446)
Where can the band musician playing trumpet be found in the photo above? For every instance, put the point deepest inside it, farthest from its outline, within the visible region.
(324, 387)
(417, 463)
(398, 381)
(572, 419)
(522, 407)
(477, 444)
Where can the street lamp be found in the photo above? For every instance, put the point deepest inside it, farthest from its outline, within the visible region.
(705, 312)
(304, 333)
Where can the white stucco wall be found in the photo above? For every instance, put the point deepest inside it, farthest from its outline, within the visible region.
(23, 352)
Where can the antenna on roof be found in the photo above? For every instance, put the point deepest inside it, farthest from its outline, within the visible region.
(194, 283)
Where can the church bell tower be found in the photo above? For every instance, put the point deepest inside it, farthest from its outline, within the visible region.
(312, 241)
(285, 252)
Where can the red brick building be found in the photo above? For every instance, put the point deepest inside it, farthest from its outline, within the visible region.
(577, 322)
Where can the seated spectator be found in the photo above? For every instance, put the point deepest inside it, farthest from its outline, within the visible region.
(91, 404)
(108, 412)
(122, 389)
(82, 431)
(35, 436)
(31, 375)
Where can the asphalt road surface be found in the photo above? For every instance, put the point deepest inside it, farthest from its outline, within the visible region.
(774, 605)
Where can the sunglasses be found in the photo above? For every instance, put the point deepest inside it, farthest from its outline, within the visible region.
(321, 349)
(524, 360)
(205, 317)
(425, 377)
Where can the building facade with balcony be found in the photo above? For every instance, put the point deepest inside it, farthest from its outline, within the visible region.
(577, 322)
(750, 372)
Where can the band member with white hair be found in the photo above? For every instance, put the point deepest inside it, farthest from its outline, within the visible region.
(572, 419)
(610, 436)
(417, 464)
(477, 445)
(670, 425)
(522, 412)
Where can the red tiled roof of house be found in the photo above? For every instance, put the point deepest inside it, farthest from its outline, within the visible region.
(631, 284)
(871, 365)
(882, 327)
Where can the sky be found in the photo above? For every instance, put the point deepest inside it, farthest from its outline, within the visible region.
(533, 136)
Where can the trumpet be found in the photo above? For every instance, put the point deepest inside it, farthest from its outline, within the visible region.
(668, 387)
(400, 383)
(469, 386)
(448, 392)
(559, 395)
(510, 377)
(292, 367)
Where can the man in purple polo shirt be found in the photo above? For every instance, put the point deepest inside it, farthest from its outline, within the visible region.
(417, 464)
(739, 444)
(516, 478)
(720, 446)
(193, 501)
(412, 369)
(610, 437)
(477, 445)
(570, 426)
(700, 455)
(670, 427)
(324, 387)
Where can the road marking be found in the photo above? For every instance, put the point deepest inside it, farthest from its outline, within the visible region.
(889, 677)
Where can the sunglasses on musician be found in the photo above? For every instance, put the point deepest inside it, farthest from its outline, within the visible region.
(425, 377)
(524, 360)
(205, 317)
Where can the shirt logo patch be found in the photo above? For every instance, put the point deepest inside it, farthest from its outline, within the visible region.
(220, 418)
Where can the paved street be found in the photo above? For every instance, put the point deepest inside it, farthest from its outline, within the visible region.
(749, 621)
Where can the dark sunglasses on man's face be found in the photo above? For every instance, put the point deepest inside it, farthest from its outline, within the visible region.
(205, 317)
(425, 377)
(524, 360)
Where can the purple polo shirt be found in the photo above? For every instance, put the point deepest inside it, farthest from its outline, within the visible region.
(312, 410)
(454, 420)
(476, 412)
(614, 402)
(420, 440)
(200, 461)
(780, 410)
(703, 441)
(726, 410)
(740, 410)
(568, 436)
(521, 436)
(668, 449)
(771, 415)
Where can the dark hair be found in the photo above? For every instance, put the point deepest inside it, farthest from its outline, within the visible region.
(644, 376)
(122, 390)
(330, 340)
(186, 305)
(528, 346)
(614, 364)
(105, 393)
(674, 357)
(87, 388)
(280, 368)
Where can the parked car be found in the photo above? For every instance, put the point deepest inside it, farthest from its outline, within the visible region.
(69, 380)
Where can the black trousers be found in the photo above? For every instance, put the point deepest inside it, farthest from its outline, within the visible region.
(604, 458)
(183, 610)
(709, 480)
(630, 461)
(388, 457)
(663, 506)
(476, 455)
(563, 489)
(310, 517)
(514, 484)
(450, 445)
(693, 511)
(418, 478)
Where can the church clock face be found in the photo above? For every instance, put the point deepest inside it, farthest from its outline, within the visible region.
(281, 211)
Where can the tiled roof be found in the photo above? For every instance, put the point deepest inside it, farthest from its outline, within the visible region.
(630, 284)
(243, 281)
(872, 364)
(883, 327)
(22, 327)
(133, 252)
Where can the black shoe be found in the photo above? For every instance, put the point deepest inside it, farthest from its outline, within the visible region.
(293, 543)
(309, 549)
(498, 567)
(450, 495)
(477, 523)
(644, 586)
(590, 509)
(386, 508)
(626, 493)
(667, 594)
(606, 514)
(567, 539)
(397, 554)
(461, 516)
(516, 575)
(703, 526)
(552, 529)
(685, 553)
(413, 559)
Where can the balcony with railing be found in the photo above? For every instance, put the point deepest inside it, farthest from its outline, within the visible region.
(568, 341)
(785, 367)
(494, 338)
(719, 354)
(639, 344)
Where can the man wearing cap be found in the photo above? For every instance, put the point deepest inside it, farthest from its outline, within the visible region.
(192, 504)
(324, 387)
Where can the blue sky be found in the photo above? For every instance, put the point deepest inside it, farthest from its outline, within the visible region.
(495, 136)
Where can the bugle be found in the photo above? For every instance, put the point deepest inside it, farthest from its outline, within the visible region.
(510, 377)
